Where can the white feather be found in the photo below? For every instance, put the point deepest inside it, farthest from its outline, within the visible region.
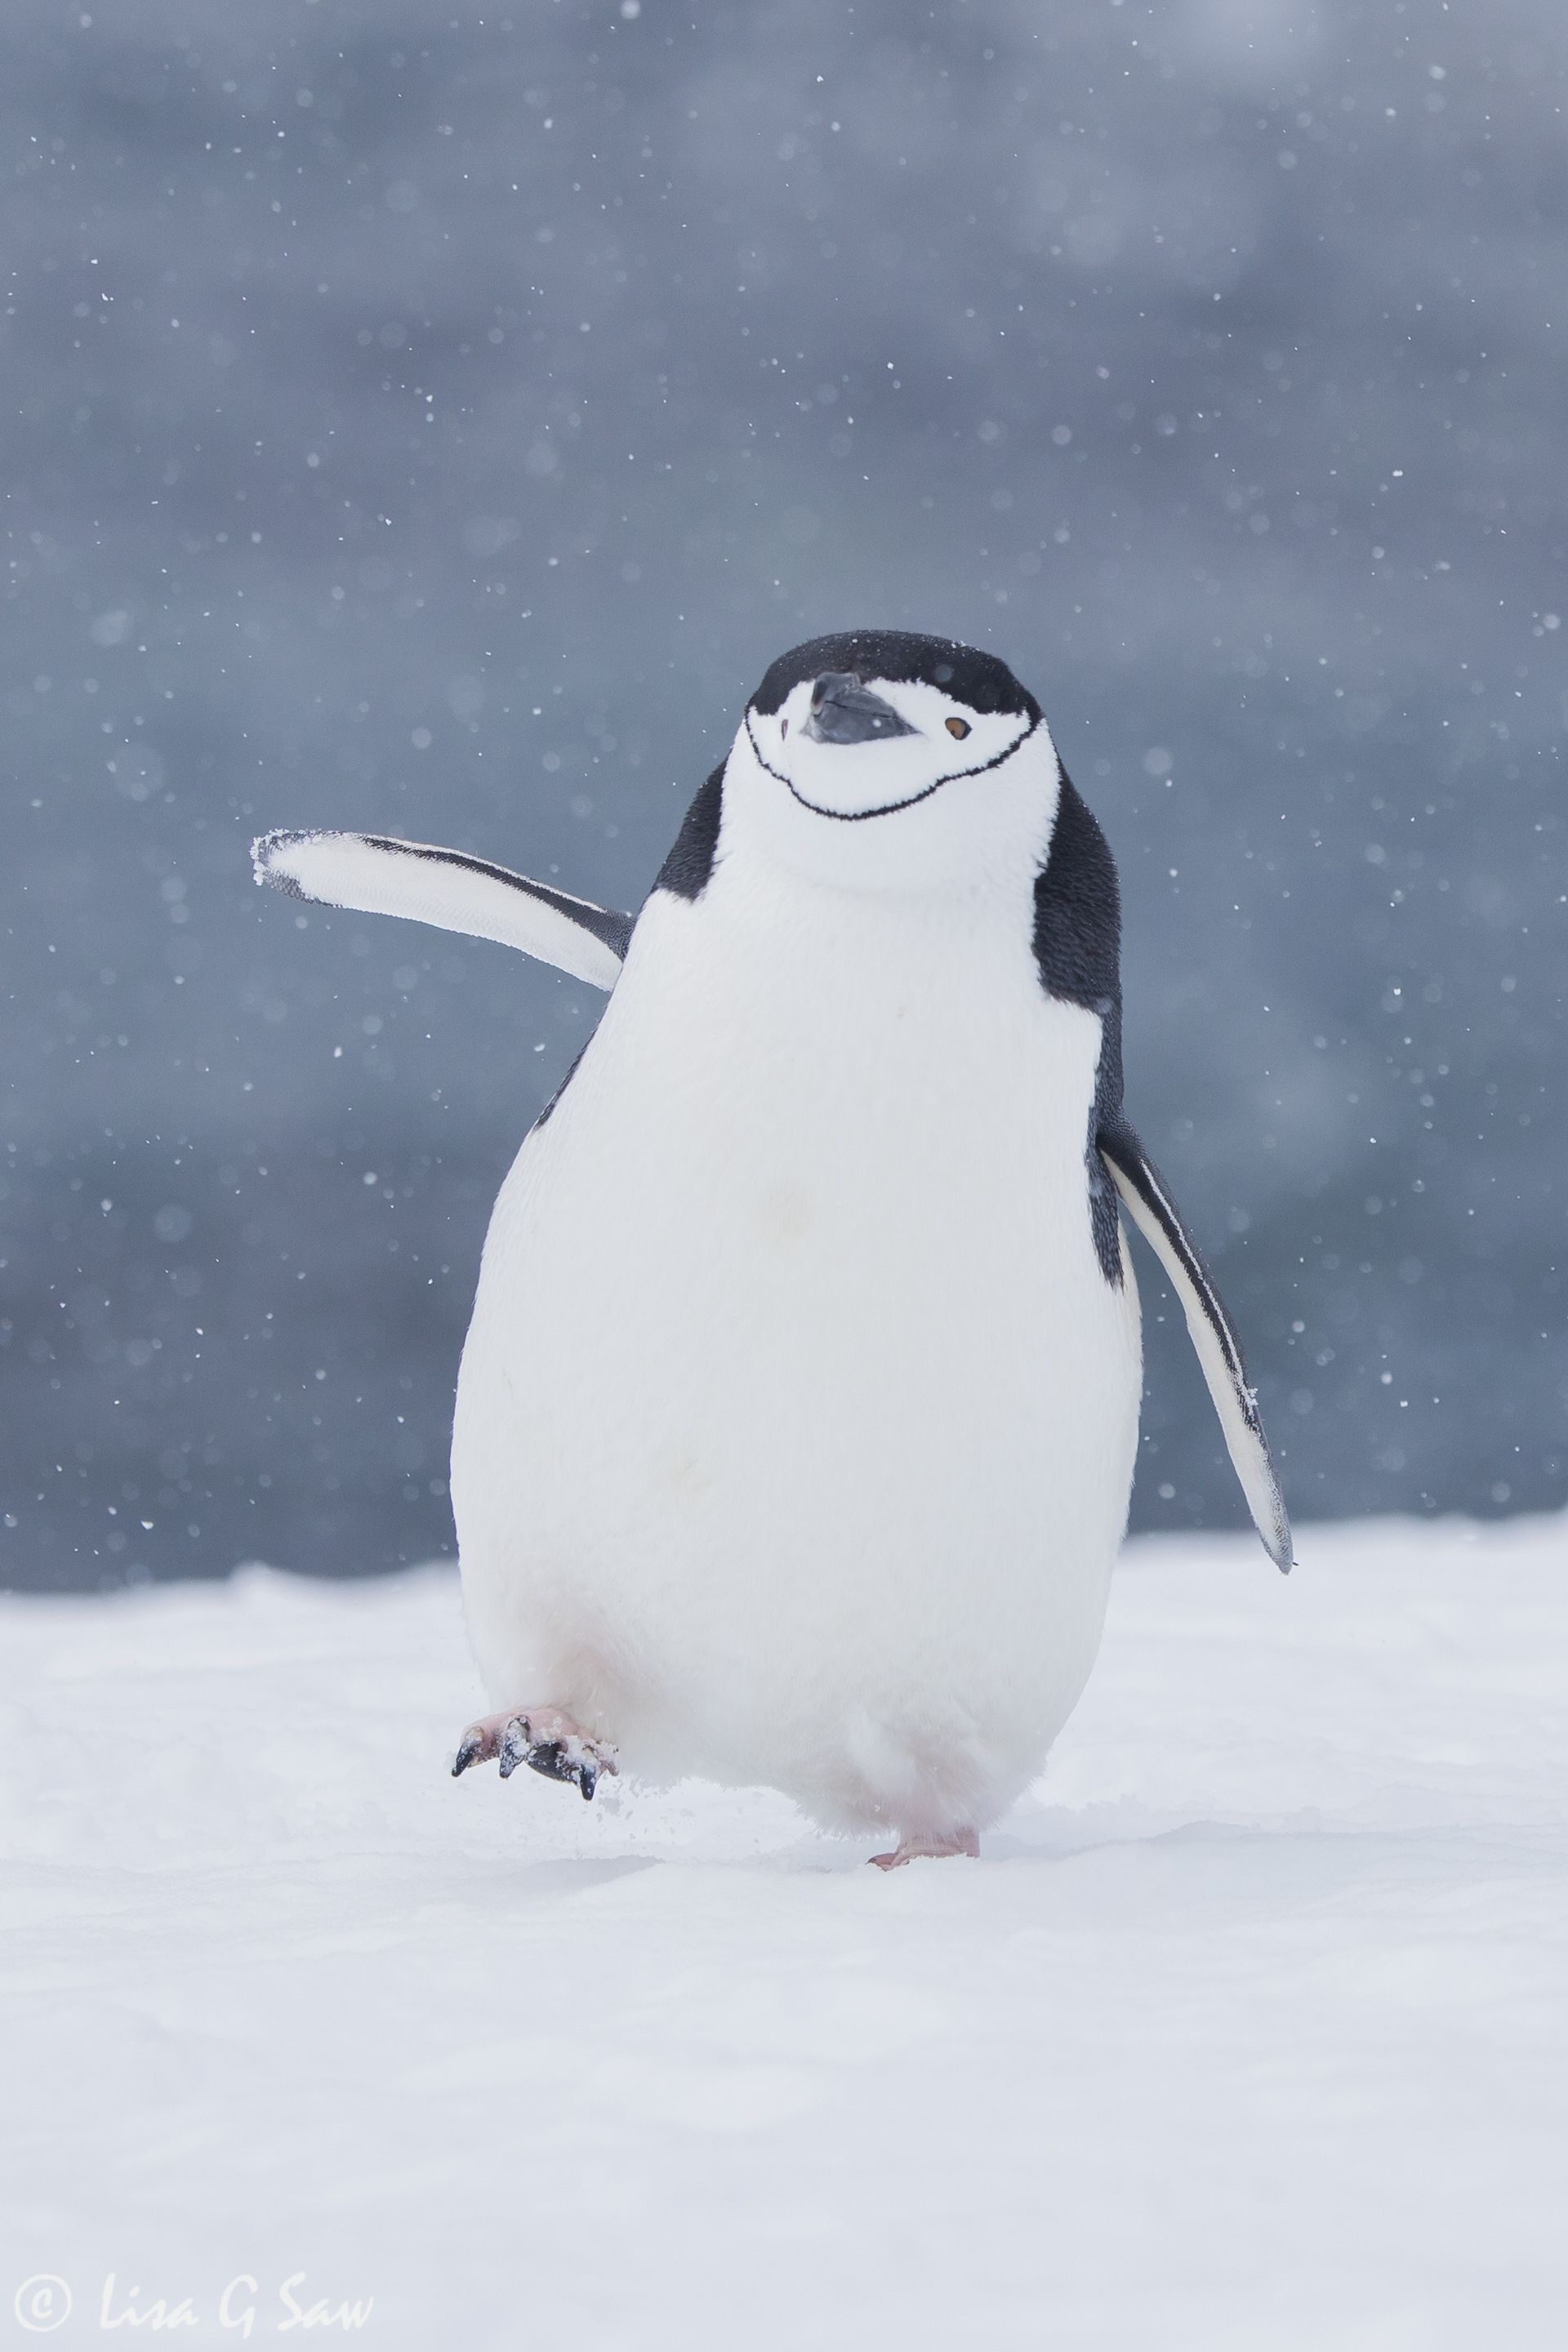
(454, 893)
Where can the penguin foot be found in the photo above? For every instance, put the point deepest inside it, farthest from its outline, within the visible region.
(918, 1849)
(546, 1738)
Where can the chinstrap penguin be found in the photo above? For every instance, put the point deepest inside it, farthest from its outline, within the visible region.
(796, 1422)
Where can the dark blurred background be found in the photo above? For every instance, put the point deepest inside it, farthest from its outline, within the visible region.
(433, 420)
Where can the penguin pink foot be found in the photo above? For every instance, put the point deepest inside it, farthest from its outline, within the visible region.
(920, 1849)
(546, 1738)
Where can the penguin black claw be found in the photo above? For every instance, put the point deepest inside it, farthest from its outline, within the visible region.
(470, 1750)
(476, 1745)
(514, 1748)
(554, 1760)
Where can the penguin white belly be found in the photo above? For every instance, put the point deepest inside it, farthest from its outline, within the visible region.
(796, 1422)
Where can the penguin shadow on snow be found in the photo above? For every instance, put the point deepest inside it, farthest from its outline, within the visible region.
(1212, 1876)
(547, 1877)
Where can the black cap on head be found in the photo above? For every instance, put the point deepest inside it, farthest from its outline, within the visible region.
(978, 680)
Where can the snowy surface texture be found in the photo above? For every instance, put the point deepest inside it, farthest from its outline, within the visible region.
(1247, 2031)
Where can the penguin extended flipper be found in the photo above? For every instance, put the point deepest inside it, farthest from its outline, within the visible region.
(377, 876)
(1213, 1335)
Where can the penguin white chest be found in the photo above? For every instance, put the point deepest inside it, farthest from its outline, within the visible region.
(797, 1418)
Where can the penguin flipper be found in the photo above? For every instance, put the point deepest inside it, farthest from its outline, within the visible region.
(1213, 1335)
(377, 876)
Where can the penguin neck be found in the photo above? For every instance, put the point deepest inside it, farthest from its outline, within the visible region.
(976, 840)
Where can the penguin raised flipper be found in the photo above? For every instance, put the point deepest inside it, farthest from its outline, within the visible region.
(1218, 1350)
(377, 876)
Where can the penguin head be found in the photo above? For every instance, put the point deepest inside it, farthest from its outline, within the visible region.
(883, 756)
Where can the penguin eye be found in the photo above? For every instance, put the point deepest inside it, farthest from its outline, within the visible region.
(957, 728)
(784, 729)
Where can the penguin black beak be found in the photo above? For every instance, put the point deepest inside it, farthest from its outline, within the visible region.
(844, 711)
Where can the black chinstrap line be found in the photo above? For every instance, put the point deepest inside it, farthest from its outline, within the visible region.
(889, 808)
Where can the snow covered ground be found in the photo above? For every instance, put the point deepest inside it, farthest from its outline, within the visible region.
(1248, 2030)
